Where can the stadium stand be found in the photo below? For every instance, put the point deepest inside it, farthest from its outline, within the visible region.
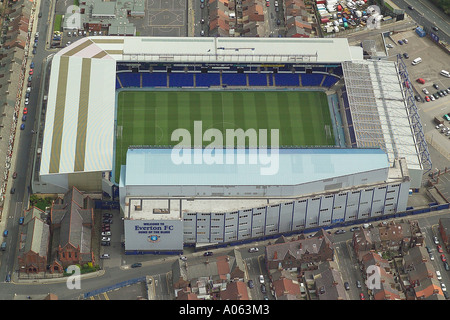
(154, 79)
(311, 79)
(129, 79)
(207, 79)
(257, 79)
(329, 81)
(287, 79)
(234, 79)
(181, 79)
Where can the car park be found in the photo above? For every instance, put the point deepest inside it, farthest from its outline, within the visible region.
(105, 256)
(136, 265)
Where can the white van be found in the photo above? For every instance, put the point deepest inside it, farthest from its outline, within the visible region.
(445, 73)
(416, 61)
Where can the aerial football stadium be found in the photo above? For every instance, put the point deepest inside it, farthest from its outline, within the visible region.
(278, 136)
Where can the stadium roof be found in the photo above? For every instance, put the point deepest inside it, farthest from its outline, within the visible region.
(79, 125)
(379, 111)
(294, 166)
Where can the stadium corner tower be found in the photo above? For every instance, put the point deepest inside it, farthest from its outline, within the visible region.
(115, 102)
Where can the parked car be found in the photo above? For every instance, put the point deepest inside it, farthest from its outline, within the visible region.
(427, 98)
(346, 285)
(104, 256)
(443, 258)
(251, 285)
(21, 219)
(444, 288)
(340, 231)
(106, 239)
(208, 253)
(261, 278)
(420, 80)
(251, 250)
(439, 248)
(106, 233)
(405, 55)
(5, 233)
(361, 296)
(400, 42)
(183, 258)
(405, 40)
(22, 126)
(136, 265)
(358, 284)
(431, 257)
(424, 90)
(438, 275)
(446, 266)
(436, 240)
(354, 229)
(105, 243)
(14, 175)
(436, 86)
(263, 288)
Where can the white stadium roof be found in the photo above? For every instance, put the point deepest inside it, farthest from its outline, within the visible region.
(79, 125)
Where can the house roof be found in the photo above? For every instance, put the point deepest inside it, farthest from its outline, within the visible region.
(427, 288)
(285, 286)
(236, 290)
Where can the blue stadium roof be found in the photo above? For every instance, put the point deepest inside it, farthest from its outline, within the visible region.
(290, 167)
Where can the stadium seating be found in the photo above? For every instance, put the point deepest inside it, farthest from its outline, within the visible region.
(311, 79)
(257, 79)
(118, 84)
(234, 79)
(154, 79)
(130, 79)
(287, 79)
(329, 81)
(207, 79)
(181, 79)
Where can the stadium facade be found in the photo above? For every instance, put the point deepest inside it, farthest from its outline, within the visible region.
(367, 175)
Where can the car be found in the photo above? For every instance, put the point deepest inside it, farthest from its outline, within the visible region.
(31, 71)
(80, 33)
(354, 229)
(432, 98)
(95, 33)
(34, 51)
(390, 46)
(340, 231)
(438, 275)
(208, 253)
(109, 221)
(427, 98)
(25, 110)
(105, 229)
(435, 28)
(358, 284)
(420, 80)
(444, 288)
(105, 256)
(267, 4)
(27, 101)
(21, 219)
(443, 258)
(22, 126)
(361, 296)
(5, 233)
(400, 42)
(202, 21)
(106, 239)
(32, 65)
(263, 288)
(446, 266)
(261, 278)
(405, 41)
(251, 285)
(424, 90)
(436, 86)
(202, 33)
(251, 250)
(410, 7)
(12, 191)
(431, 257)
(14, 175)
(276, 3)
(444, 92)
(8, 277)
(106, 225)
(440, 248)
(107, 215)
(40, 15)
(346, 285)
(418, 98)
(202, 6)
(183, 258)
(106, 233)
(278, 22)
(436, 96)
(105, 243)
(440, 93)
(69, 34)
(136, 265)
(446, 295)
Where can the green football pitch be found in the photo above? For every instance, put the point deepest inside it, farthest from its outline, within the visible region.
(149, 117)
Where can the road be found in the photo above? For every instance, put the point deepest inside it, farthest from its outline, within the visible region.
(428, 15)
